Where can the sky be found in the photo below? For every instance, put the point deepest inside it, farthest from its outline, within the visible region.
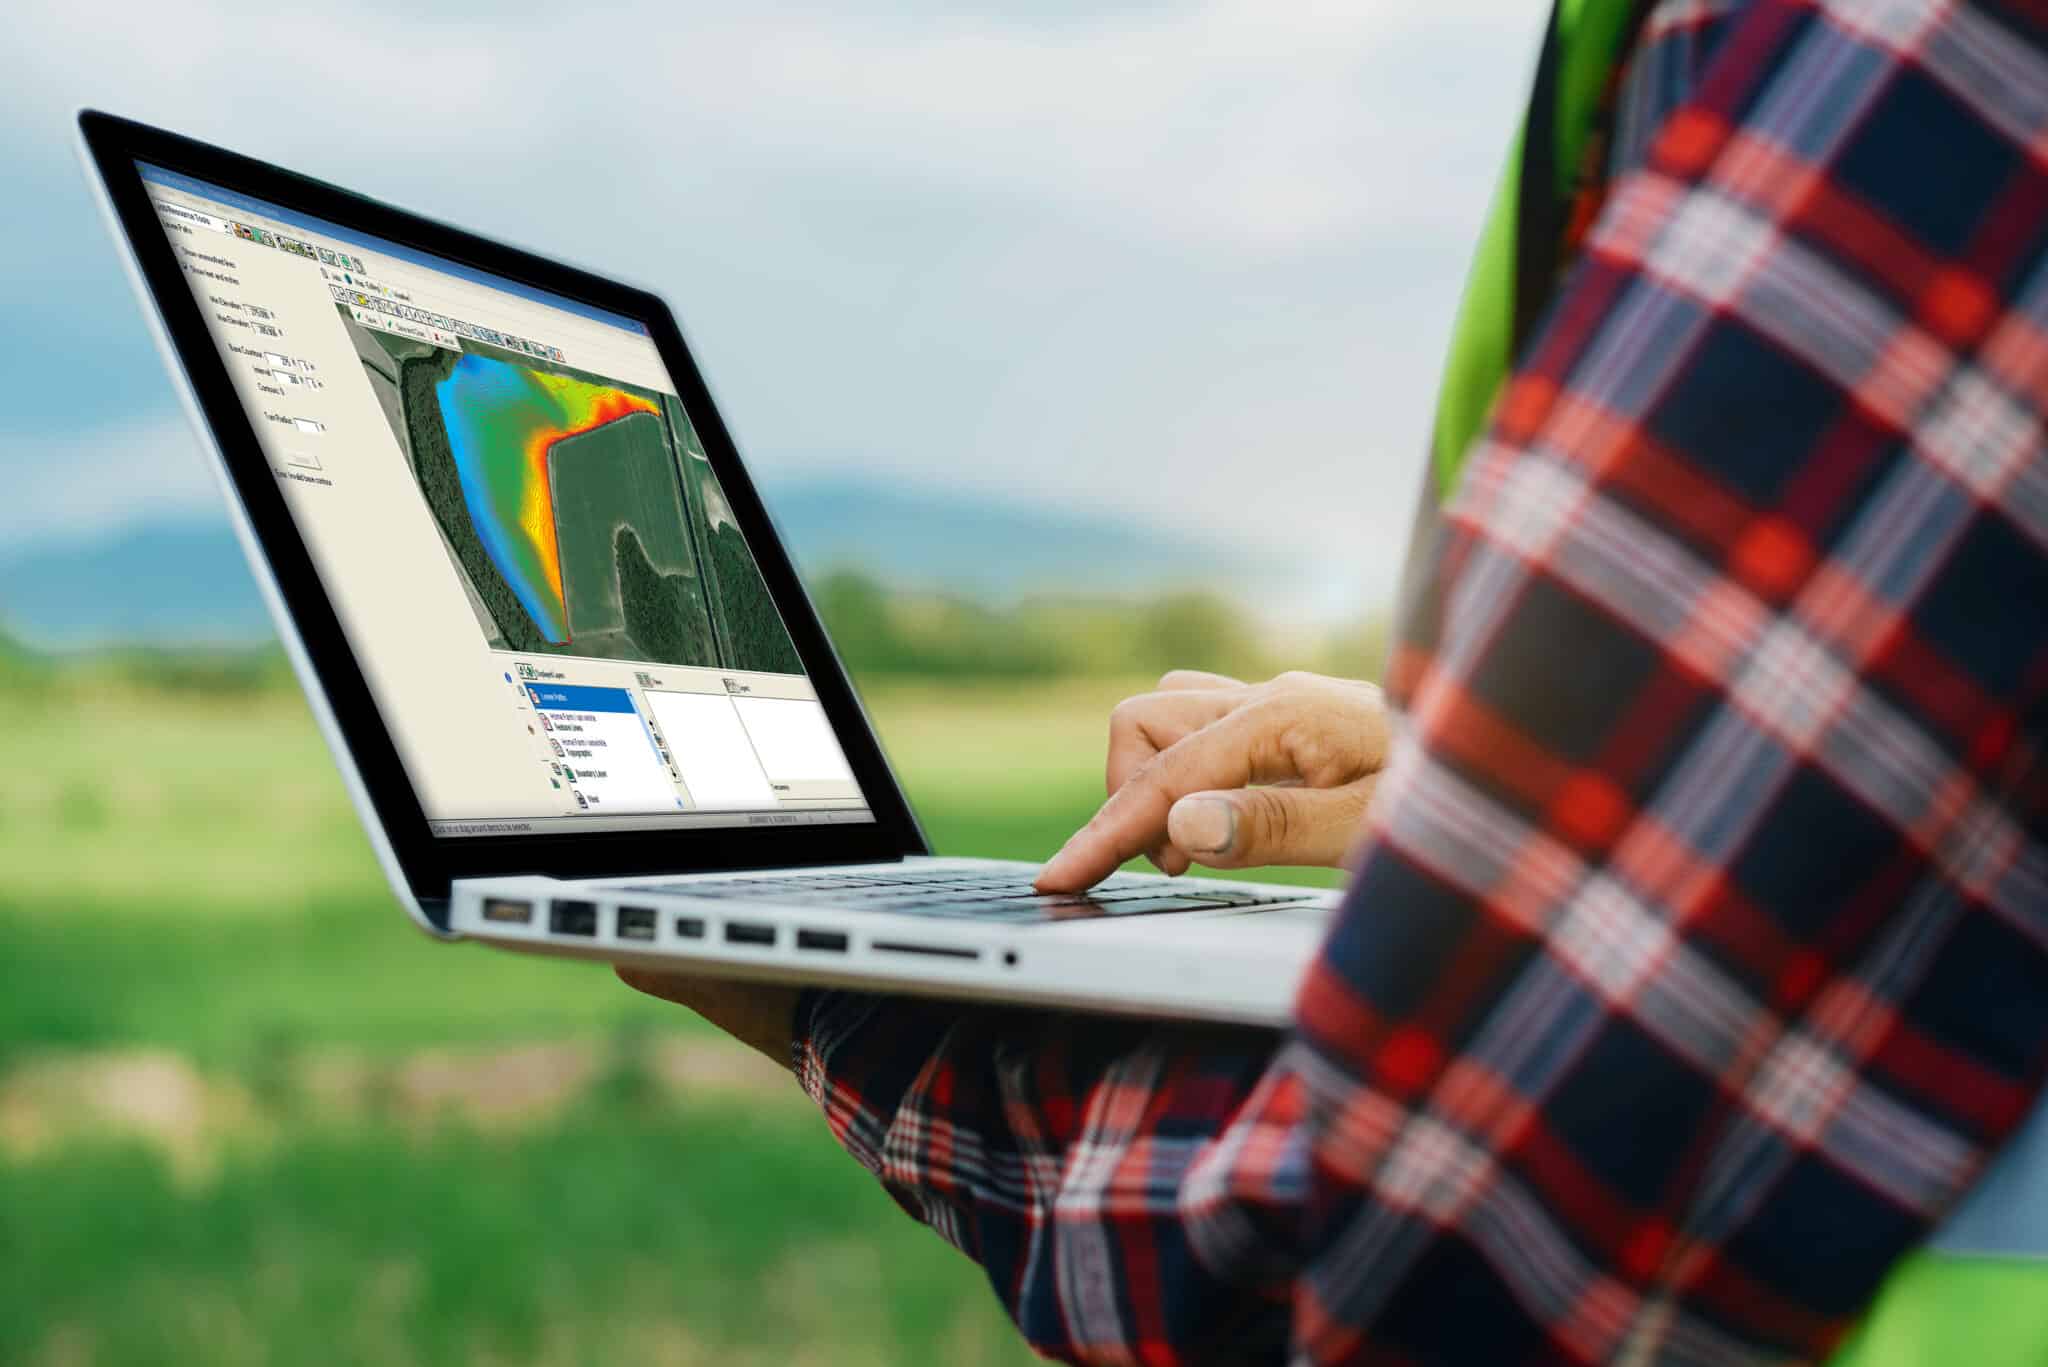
(1193, 265)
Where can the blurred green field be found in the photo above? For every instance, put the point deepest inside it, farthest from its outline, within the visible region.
(615, 1233)
(248, 1115)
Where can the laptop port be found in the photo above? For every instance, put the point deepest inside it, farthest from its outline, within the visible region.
(749, 933)
(636, 923)
(573, 918)
(831, 941)
(508, 911)
(689, 927)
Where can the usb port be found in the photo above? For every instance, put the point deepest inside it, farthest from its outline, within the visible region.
(636, 923)
(749, 933)
(689, 927)
(507, 911)
(573, 918)
(833, 941)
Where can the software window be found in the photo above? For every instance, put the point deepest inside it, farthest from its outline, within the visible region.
(533, 560)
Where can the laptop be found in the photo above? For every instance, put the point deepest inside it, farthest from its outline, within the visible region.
(573, 684)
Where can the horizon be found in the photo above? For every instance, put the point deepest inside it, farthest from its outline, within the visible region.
(989, 554)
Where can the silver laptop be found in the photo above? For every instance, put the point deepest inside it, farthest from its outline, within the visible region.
(571, 679)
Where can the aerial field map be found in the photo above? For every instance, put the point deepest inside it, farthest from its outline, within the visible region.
(580, 514)
(505, 423)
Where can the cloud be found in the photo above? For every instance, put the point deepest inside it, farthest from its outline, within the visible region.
(1236, 123)
(1191, 263)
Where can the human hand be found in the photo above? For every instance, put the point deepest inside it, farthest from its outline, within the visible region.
(1182, 759)
(761, 1015)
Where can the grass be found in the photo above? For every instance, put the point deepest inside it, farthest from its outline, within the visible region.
(335, 971)
(613, 1235)
(140, 800)
(184, 881)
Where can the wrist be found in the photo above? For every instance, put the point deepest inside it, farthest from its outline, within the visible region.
(761, 1016)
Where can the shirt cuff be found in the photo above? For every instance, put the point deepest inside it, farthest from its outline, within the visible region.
(805, 1059)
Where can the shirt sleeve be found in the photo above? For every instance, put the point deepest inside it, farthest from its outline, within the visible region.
(1699, 957)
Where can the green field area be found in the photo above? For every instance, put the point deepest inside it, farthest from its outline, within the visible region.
(249, 1115)
(622, 478)
(623, 1231)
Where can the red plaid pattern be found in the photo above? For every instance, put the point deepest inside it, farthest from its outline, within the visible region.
(1700, 956)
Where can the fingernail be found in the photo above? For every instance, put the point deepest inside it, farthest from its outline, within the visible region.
(1205, 825)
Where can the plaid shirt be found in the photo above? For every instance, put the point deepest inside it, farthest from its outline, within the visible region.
(1700, 954)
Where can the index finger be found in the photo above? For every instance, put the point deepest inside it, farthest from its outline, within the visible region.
(1230, 752)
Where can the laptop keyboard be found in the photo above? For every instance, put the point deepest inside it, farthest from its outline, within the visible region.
(999, 897)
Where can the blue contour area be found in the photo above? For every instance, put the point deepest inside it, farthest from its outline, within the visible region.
(480, 387)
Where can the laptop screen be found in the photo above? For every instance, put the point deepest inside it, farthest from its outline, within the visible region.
(551, 603)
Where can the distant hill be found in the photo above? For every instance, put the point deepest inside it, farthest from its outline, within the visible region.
(989, 548)
(161, 584)
(184, 582)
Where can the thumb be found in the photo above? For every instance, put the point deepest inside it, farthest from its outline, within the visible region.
(1247, 827)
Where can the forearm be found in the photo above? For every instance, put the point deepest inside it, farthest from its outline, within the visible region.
(972, 1119)
(1085, 1163)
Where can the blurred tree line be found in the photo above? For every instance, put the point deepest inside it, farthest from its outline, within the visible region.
(883, 634)
(208, 670)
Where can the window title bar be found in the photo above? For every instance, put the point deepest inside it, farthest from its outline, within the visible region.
(172, 180)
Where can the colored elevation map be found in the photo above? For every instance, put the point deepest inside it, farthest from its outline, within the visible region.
(503, 422)
(581, 514)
